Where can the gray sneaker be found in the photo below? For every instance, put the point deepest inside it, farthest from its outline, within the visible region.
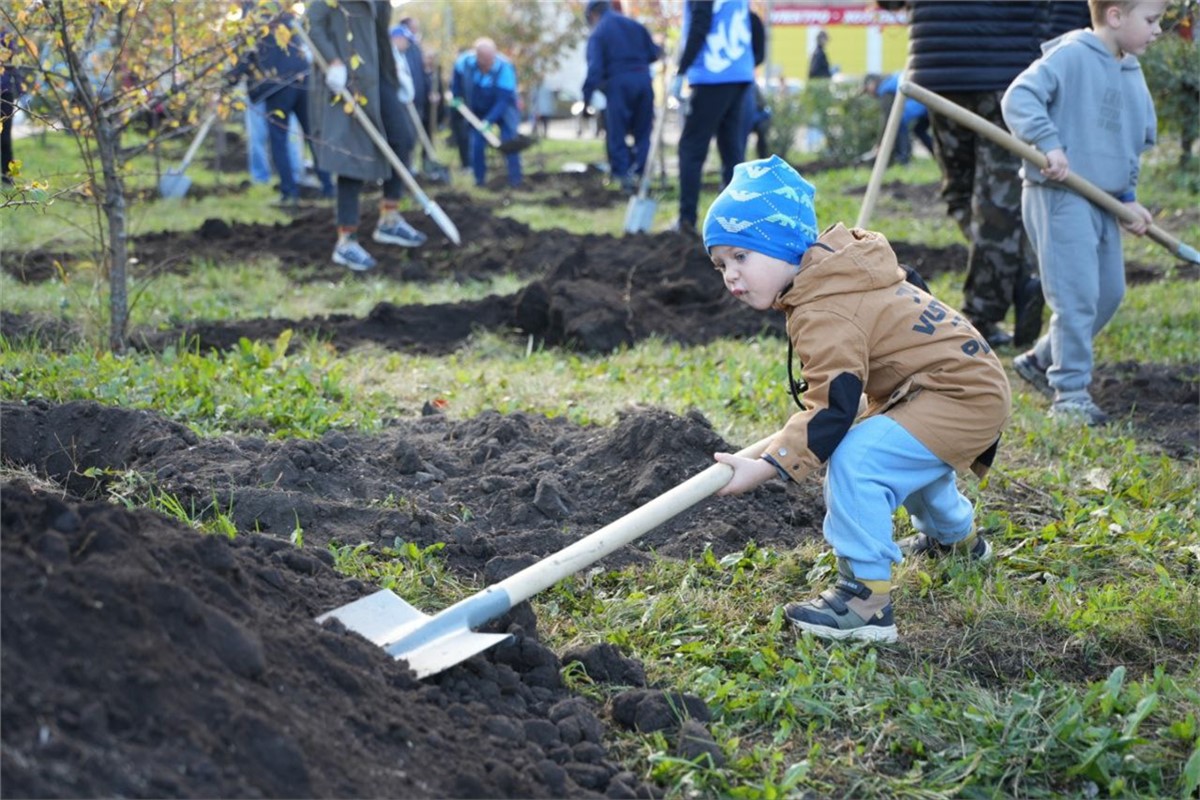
(351, 254)
(1032, 372)
(396, 231)
(923, 545)
(838, 613)
(1078, 408)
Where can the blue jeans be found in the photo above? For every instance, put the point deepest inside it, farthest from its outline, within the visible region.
(479, 147)
(878, 467)
(290, 103)
(258, 154)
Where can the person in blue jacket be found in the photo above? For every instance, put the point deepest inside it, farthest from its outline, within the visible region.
(619, 54)
(914, 121)
(486, 82)
(718, 61)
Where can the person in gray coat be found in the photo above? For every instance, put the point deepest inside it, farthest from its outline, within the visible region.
(353, 37)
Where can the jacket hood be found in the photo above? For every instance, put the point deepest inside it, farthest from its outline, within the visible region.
(843, 260)
(1089, 39)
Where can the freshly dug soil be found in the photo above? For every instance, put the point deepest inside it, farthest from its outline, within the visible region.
(142, 658)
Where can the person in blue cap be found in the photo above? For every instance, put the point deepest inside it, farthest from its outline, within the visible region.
(899, 392)
(619, 54)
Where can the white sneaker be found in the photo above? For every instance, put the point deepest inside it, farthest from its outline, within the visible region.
(394, 230)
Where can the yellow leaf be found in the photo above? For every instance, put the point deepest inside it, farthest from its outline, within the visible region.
(348, 107)
(283, 35)
(355, 61)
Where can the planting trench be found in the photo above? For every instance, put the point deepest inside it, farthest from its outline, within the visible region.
(143, 659)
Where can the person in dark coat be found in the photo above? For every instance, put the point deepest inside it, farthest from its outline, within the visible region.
(818, 64)
(619, 54)
(277, 76)
(353, 37)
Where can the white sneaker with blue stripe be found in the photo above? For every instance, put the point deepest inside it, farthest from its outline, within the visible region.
(394, 229)
(349, 253)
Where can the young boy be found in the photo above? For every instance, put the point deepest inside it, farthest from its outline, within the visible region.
(937, 396)
(1085, 97)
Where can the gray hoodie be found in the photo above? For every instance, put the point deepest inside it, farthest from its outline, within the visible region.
(1079, 97)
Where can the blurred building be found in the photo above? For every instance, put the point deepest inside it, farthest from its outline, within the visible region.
(862, 38)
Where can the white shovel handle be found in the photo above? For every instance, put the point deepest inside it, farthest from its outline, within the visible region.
(617, 534)
(886, 145)
(477, 124)
(416, 120)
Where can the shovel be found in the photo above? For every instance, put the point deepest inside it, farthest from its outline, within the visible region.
(436, 171)
(639, 217)
(431, 644)
(513, 145)
(935, 102)
(174, 183)
(431, 208)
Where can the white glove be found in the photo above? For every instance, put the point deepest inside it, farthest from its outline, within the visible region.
(676, 89)
(335, 77)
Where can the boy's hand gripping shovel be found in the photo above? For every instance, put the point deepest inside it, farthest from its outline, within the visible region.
(431, 644)
(431, 208)
(937, 103)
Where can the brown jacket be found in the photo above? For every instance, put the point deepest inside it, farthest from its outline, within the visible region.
(860, 329)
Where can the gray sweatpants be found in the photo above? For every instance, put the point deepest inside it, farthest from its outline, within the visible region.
(1083, 277)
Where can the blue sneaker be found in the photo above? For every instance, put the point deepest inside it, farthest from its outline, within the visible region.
(351, 254)
(394, 230)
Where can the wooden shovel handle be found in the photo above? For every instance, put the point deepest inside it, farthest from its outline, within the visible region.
(937, 103)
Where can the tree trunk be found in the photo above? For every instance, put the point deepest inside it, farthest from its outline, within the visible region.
(108, 141)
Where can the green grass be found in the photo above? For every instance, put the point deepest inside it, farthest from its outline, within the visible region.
(1065, 669)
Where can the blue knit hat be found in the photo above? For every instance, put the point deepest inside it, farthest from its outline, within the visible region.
(767, 208)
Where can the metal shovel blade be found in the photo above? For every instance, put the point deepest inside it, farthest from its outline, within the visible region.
(437, 173)
(384, 618)
(444, 222)
(173, 184)
(517, 144)
(639, 217)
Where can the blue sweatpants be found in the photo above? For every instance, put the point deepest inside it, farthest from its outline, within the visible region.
(1083, 277)
(878, 467)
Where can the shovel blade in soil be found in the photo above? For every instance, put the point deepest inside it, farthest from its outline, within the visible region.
(173, 184)
(639, 217)
(517, 144)
(429, 644)
(444, 222)
(381, 618)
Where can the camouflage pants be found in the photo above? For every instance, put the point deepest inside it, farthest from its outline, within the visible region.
(982, 191)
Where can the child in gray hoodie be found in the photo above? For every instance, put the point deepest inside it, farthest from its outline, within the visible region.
(1085, 105)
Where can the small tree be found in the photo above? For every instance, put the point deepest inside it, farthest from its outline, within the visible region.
(1172, 67)
(103, 66)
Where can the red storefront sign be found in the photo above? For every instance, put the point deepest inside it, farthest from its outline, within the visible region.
(798, 13)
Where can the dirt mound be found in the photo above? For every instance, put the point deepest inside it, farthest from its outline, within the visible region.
(143, 659)
(501, 490)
